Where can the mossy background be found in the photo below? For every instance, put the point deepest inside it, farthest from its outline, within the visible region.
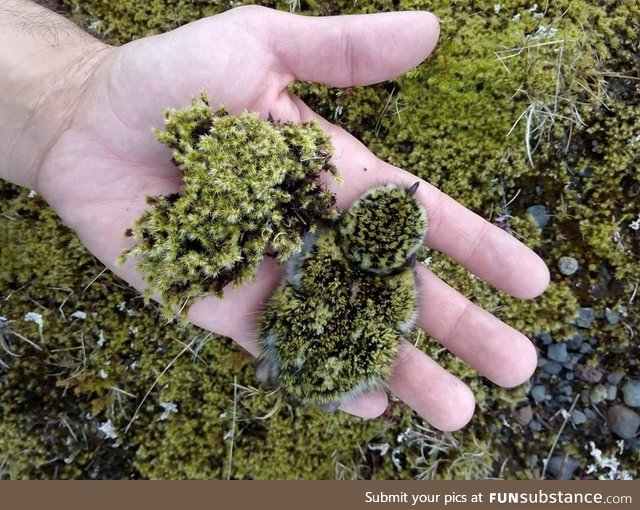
(64, 409)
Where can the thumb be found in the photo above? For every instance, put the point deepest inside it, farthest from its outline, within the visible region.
(343, 51)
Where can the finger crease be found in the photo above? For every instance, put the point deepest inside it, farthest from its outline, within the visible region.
(453, 330)
(484, 230)
(346, 47)
(435, 215)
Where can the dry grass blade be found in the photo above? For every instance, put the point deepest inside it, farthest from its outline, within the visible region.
(146, 395)
(555, 441)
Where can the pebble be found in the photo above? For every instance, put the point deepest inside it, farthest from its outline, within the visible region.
(568, 265)
(535, 426)
(552, 367)
(585, 348)
(588, 374)
(631, 393)
(578, 417)
(524, 415)
(614, 378)
(575, 342)
(585, 397)
(587, 172)
(558, 352)
(585, 317)
(539, 392)
(597, 291)
(612, 316)
(540, 215)
(569, 376)
(546, 338)
(598, 394)
(562, 467)
(541, 362)
(567, 389)
(589, 413)
(573, 359)
(623, 422)
(612, 392)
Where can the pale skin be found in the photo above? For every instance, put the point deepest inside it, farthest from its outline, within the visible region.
(77, 119)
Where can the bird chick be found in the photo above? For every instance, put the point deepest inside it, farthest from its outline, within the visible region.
(332, 329)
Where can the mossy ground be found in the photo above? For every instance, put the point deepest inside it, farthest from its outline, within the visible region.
(449, 121)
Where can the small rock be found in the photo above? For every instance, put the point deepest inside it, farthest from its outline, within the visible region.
(541, 362)
(532, 460)
(552, 368)
(573, 359)
(535, 426)
(587, 172)
(598, 290)
(546, 338)
(590, 414)
(540, 215)
(631, 393)
(588, 374)
(612, 392)
(612, 316)
(567, 389)
(568, 265)
(585, 397)
(524, 415)
(562, 467)
(585, 348)
(575, 342)
(585, 317)
(578, 417)
(623, 422)
(538, 392)
(598, 394)
(614, 378)
(558, 352)
(569, 376)
(605, 275)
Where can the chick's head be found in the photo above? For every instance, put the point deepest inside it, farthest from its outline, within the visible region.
(383, 229)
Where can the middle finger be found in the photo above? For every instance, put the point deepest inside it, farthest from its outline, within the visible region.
(496, 350)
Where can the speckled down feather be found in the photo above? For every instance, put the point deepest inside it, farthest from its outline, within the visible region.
(332, 329)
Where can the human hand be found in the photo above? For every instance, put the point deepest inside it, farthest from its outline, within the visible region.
(97, 173)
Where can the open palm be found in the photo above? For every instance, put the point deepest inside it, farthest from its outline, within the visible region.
(99, 171)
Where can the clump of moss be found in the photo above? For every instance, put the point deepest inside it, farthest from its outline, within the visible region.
(248, 185)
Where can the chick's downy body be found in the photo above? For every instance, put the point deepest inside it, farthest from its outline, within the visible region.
(332, 329)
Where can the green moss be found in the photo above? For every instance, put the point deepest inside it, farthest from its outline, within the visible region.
(248, 185)
(121, 21)
(450, 122)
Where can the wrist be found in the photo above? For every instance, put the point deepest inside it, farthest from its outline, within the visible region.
(43, 71)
